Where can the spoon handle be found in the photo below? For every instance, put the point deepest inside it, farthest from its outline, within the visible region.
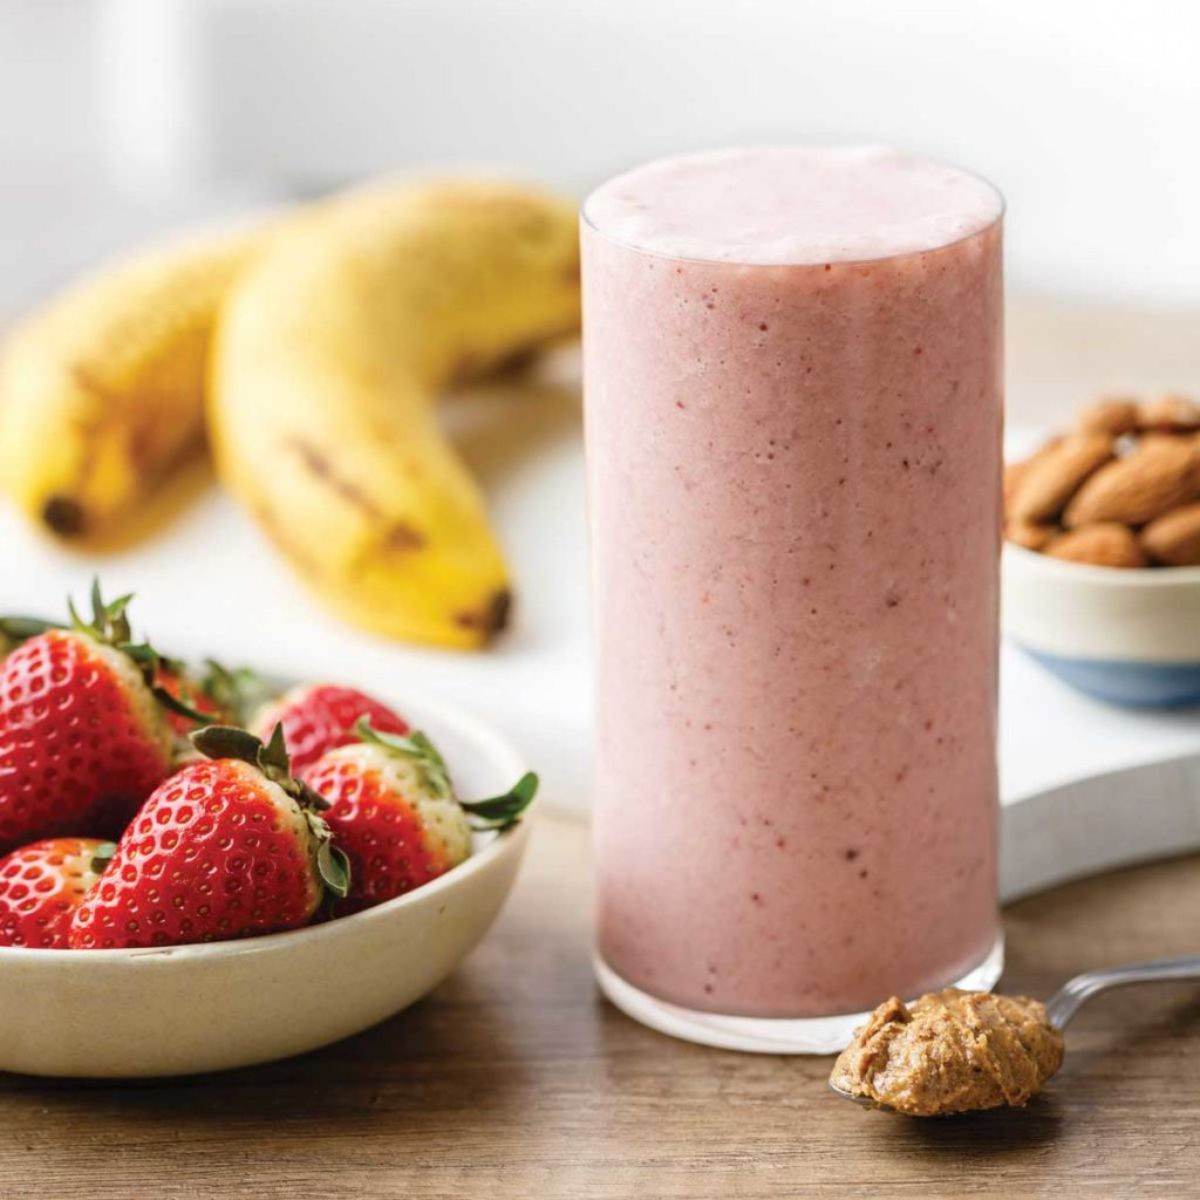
(1063, 1005)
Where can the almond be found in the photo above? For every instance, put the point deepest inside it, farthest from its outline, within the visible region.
(1169, 414)
(1105, 545)
(1114, 415)
(1015, 472)
(1053, 475)
(1157, 476)
(1030, 534)
(1156, 437)
(1174, 538)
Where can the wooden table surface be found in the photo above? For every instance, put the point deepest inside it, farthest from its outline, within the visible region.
(514, 1079)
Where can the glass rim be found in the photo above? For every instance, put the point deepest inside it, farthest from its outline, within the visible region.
(586, 219)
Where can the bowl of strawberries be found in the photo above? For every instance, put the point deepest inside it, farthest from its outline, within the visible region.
(202, 870)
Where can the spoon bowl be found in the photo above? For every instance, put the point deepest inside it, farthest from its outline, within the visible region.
(1068, 1000)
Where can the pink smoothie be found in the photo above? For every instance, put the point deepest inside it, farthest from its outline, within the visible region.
(793, 399)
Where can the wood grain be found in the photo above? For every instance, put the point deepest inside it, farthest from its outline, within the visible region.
(515, 1080)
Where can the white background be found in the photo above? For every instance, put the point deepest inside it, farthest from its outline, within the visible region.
(1086, 112)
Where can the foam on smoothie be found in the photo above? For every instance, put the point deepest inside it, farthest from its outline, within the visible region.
(793, 205)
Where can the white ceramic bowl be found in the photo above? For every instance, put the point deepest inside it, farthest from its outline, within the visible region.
(1130, 637)
(185, 1009)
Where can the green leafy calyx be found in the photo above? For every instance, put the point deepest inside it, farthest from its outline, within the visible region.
(416, 747)
(102, 856)
(110, 625)
(14, 630)
(271, 758)
(497, 812)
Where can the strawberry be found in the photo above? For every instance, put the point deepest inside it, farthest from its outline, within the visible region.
(394, 813)
(15, 630)
(216, 693)
(42, 885)
(83, 740)
(231, 846)
(319, 716)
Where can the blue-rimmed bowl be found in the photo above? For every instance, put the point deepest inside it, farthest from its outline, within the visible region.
(1131, 637)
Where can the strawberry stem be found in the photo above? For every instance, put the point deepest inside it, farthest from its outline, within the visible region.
(416, 746)
(21, 629)
(501, 812)
(178, 706)
(110, 625)
(235, 691)
(103, 856)
(334, 868)
(230, 691)
(497, 812)
(227, 741)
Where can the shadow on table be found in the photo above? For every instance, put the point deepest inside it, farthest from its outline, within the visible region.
(503, 422)
(987, 1135)
(410, 1070)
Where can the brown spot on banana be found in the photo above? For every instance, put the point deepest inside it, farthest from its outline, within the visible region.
(320, 467)
(332, 351)
(492, 618)
(64, 516)
(102, 386)
(402, 536)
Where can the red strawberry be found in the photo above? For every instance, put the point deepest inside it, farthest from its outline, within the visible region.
(82, 739)
(173, 678)
(394, 813)
(215, 693)
(319, 716)
(15, 630)
(42, 885)
(226, 848)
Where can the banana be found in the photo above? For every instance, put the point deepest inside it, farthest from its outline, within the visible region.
(329, 355)
(102, 391)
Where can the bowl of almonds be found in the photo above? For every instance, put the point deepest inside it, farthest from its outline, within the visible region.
(1102, 555)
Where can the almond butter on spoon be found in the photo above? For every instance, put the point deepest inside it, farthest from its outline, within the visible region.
(955, 1051)
(950, 1052)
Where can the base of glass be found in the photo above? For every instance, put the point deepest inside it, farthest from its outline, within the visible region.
(762, 1035)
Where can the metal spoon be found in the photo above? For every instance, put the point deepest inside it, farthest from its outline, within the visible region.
(1069, 998)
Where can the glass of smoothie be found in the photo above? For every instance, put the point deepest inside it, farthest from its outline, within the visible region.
(793, 382)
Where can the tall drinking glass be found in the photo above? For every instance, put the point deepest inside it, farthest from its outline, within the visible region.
(793, 374)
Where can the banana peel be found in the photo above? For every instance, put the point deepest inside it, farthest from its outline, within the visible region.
(102, 390)
(330, 352)
(311, 350)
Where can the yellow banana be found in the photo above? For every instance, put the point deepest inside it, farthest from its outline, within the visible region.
(329, 354)
(102, 391)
